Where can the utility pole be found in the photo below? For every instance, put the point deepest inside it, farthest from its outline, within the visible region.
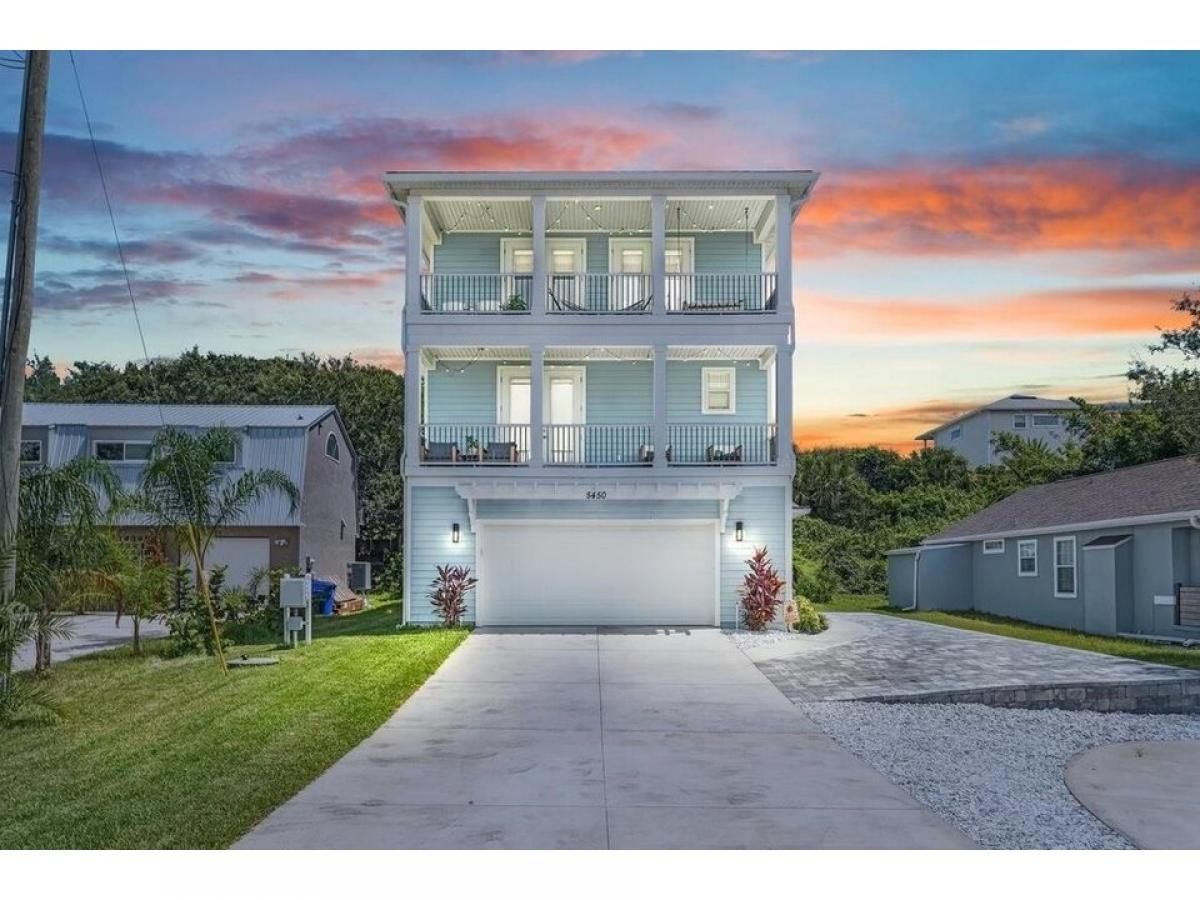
(18, 298)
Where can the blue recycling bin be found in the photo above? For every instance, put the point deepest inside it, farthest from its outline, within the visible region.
(322, 593)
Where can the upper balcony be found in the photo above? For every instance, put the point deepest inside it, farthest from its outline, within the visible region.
(551, 246)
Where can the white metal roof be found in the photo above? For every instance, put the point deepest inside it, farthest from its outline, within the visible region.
(796, 182)
(151, 415)
(1011, 403)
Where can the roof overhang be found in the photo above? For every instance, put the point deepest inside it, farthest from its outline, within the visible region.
(796, 183)
(1181, 516)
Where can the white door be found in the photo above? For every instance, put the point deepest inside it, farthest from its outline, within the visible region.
(564, 411)
(599, 572)
(240, 555)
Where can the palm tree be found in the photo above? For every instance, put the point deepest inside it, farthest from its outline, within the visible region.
(57, 539)
(137, 583)
(185, 488)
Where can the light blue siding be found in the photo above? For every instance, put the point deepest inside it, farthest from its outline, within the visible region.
(432, 513)
(469, 253)
(684, 401)
(608, 509)
(462, 394)
(620, 393)
(761, 510)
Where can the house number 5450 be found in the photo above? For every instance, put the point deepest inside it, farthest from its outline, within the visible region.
(596, 495)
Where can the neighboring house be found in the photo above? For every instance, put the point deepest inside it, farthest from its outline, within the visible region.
(604, 362)
(972, 435)
(306, 443)
(1113, 553)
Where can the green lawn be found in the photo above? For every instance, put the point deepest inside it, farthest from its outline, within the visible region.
(1167, 654)
(158, 752)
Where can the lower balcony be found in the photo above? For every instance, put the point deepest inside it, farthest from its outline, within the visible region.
(599, 446)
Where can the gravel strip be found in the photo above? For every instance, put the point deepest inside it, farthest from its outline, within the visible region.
(996, 773)
(749, 640)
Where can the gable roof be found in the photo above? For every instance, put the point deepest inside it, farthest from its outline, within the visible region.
(1162, 490)
(179, 415)
(1011, 403)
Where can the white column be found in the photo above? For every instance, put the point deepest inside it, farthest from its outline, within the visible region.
(658, 255)
(537, 382)
(413, 216)
(412, 404)
(783, 252)
(539, 257)
(659, 394)
(783, 404)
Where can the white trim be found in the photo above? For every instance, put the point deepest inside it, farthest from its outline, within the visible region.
(705, 372)
(1099, 525)
(1021, 544)
(513, 489)
(509, 244)
(1024, 426)
(125, 443)
(1074, 567)
(994, 552)
(616, 245)
(1164, 599)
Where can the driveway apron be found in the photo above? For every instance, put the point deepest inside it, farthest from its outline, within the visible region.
(600, 738)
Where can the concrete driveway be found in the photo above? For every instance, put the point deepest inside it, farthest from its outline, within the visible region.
(90, 633)
(621, 738)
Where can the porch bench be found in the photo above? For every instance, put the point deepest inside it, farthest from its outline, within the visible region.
(722, 454)
(440, 451)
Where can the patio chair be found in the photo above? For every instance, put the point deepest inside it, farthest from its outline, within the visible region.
(723, 454)
(646, 454)
(441, 451)
(501, 451)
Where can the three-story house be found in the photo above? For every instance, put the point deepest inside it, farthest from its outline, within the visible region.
(598, 371)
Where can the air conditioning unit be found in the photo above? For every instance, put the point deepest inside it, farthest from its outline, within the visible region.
(359, 576)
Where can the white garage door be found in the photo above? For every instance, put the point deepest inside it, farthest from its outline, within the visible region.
(597, 573)
(241, 555)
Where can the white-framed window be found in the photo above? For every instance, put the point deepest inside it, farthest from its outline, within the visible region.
(31, 451)
(1045, 420)
(332, 449)
(718, 391)
(1027, 566)
(121, 451)
(1064, 567)
(955, 432)
(564, 256)
(1020, 421)
(993, 546)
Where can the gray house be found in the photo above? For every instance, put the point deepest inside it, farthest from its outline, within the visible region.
(972, 435)
(307, 443)
(1113, 553)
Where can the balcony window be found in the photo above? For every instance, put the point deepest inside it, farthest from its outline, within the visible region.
(563, 255)
(718, 390)
(122, 451)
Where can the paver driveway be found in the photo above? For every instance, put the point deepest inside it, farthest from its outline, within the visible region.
(622, 738)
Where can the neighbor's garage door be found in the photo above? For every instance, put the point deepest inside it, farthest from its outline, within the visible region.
(597, 573)
(241, 555)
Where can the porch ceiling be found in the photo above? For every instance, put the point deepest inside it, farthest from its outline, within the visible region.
(761, 354)
(600, 215)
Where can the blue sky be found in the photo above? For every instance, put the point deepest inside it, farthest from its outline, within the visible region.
(985, 223)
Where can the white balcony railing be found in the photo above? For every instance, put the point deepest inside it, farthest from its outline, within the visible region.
(474, 445)
(722, 292)
(598, 293)
(489, 293)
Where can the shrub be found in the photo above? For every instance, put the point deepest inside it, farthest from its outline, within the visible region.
(814, 581)
(809, 619)
(448, 593)
(760, 591)
(391, 577)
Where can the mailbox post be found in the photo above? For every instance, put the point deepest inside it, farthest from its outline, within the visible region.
(295, 599)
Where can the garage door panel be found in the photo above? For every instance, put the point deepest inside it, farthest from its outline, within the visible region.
(241, 556)
(597, 573)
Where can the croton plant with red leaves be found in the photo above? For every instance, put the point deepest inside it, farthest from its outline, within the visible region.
(760, 591)
(448, 593)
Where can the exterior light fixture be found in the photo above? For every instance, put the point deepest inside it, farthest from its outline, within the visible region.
(737, 532)
(454, 533)
(596, 208)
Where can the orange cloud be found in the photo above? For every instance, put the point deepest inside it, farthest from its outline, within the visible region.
(1077, 313)
(1078, 204)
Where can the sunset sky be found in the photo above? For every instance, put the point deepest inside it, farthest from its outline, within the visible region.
(984, 224)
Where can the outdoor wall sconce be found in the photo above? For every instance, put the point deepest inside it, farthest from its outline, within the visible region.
(737, 532)
(454, 533)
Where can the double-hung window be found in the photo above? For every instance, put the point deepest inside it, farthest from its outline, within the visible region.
(718, 391)
(1027, 563)
(955, 432)
(1020, 421)
(1064, 567)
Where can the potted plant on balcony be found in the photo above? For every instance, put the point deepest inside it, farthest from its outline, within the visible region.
(514, 303)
